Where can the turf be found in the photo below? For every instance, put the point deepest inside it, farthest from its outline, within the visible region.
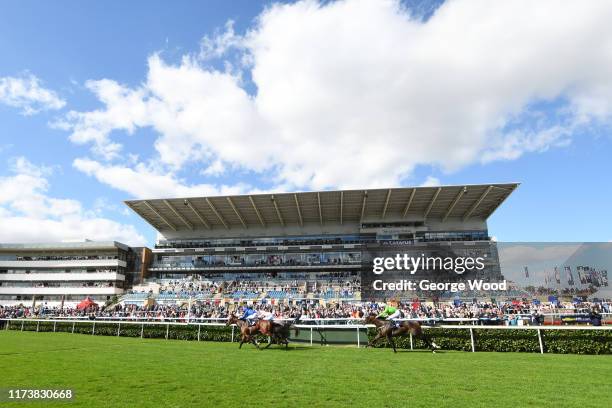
(131, 372)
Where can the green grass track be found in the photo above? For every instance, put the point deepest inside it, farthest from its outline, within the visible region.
(132, 372)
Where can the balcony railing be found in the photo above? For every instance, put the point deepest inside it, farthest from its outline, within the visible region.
(61, 276)
(61, 291)
(197, 267)
(67, 263)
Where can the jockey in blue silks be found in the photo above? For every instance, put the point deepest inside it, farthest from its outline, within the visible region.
(249, 315)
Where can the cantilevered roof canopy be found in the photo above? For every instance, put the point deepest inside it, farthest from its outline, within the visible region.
(442, 203)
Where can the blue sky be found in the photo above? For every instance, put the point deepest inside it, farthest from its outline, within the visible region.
(232, 97)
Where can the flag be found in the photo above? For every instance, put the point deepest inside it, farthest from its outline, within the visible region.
(557, 276)
(589, 276)
(596, 278)
(570, 277)
(526, 272)
(581, 275)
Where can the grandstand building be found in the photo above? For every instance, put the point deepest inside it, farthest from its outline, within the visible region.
(308, 245)
(66, 273)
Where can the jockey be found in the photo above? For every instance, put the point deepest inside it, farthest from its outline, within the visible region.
(265, 315)
(249, 315)
(391, 313)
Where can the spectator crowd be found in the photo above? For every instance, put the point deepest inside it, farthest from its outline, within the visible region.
(489, 313)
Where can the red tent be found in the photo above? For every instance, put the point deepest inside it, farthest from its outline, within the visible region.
(86, 304)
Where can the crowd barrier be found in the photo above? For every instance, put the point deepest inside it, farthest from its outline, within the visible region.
(358, 337)
(606, 319)
(187, 319)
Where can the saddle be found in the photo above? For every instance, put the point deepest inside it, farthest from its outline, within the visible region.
(249, 322)
(394, 324)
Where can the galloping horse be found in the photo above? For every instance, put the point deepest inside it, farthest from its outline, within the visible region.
(387, 329)
(277, 332)
(247, 333)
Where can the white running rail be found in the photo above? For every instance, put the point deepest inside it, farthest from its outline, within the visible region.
(357, 327)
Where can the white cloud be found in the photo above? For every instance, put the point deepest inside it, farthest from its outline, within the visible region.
(28, 94)
(102, 205)
(514, 144)
(217, 168)
(357, 93)
(431, 182)
(220, 43)
(125, 111)
(29, 214)
(142, 181)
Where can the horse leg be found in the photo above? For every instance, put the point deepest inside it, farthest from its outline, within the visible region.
(282, 339)
(429, 343)
(255, 343)
(434, 346)
(375, 339)
(269, 342)
(391, 342)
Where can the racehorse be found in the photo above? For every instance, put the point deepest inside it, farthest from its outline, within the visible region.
(277, 332)
(247, 333)
(387, 329)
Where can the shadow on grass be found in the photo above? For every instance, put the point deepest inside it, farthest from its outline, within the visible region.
(275, 347)
(401, 351)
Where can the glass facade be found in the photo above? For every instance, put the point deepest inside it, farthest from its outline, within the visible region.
(253, 260)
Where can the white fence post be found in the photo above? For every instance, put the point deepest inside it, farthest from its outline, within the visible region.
(93, 328)
(200, 329)
(142, 331)
(22, 322)
(73, 323)
(411, 347)
(7, 324)
(540, 340)
(54, 325)
(311, 336)
(472, 339)
(167, 330)
(358, 341)
(233, 328)
(37, 325)
(118, 329)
